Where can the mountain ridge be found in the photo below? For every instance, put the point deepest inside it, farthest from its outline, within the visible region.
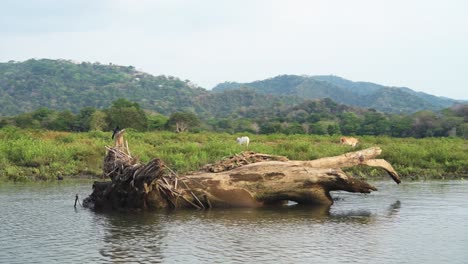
(362, 94)
(68, 85)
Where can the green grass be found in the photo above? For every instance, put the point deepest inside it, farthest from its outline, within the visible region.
(30, 155)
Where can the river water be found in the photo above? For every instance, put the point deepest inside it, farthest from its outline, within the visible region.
(415, 222)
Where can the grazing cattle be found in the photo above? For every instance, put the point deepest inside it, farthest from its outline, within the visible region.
(349, 141)
(243, 140)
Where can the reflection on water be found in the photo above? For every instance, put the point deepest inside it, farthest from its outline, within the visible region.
(409, 223)
(232, 235)
(394, 208)
(132, 237)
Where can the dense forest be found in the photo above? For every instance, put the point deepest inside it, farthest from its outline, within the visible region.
(66, 96)
(319, 117)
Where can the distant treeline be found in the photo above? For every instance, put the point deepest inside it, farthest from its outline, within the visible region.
(318, 117)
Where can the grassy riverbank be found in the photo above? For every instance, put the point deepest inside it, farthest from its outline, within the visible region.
(29, 155)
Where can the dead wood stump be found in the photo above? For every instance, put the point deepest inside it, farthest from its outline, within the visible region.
(247, 179)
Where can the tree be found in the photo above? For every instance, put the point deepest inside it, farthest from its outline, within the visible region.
(293, 128)
(243, 125)
(84, 118)
(460, 110)
(4, 122)
(255, 127)
(400, 126)
(98, 121)
(26, 120)
(126, 114)
(223, 124)
(64, 121)
(157, 121)
(318, 128)
(270, 127)
(374, 123)
(43, 115)
(298, 116)
(462, 130)
(350, 123)
(450, 124)
(426, 124)
(333, 129)
(183, 121)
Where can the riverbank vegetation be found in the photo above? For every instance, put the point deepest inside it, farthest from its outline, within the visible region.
(30, 155)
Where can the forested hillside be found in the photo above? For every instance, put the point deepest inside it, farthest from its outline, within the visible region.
(361, 94)
(64, 85)
(242, 102)
(66, 96)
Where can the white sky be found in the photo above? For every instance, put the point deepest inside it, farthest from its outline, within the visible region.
(419, 44)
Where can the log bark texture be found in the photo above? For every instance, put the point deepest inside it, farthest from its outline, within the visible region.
(247, 179)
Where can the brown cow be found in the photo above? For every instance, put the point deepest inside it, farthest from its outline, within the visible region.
(349, 141)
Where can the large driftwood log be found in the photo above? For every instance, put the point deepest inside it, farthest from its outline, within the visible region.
(245, 180)
(274, 182)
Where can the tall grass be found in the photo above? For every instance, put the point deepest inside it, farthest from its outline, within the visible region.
(28, 155)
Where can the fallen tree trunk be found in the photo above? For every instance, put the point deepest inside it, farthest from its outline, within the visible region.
(245, 180)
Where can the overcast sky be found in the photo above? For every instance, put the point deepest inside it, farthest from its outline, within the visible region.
(422, 45)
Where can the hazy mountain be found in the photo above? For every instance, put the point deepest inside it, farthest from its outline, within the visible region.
(362, 94)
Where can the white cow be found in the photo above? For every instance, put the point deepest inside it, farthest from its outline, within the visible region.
(243, 140)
